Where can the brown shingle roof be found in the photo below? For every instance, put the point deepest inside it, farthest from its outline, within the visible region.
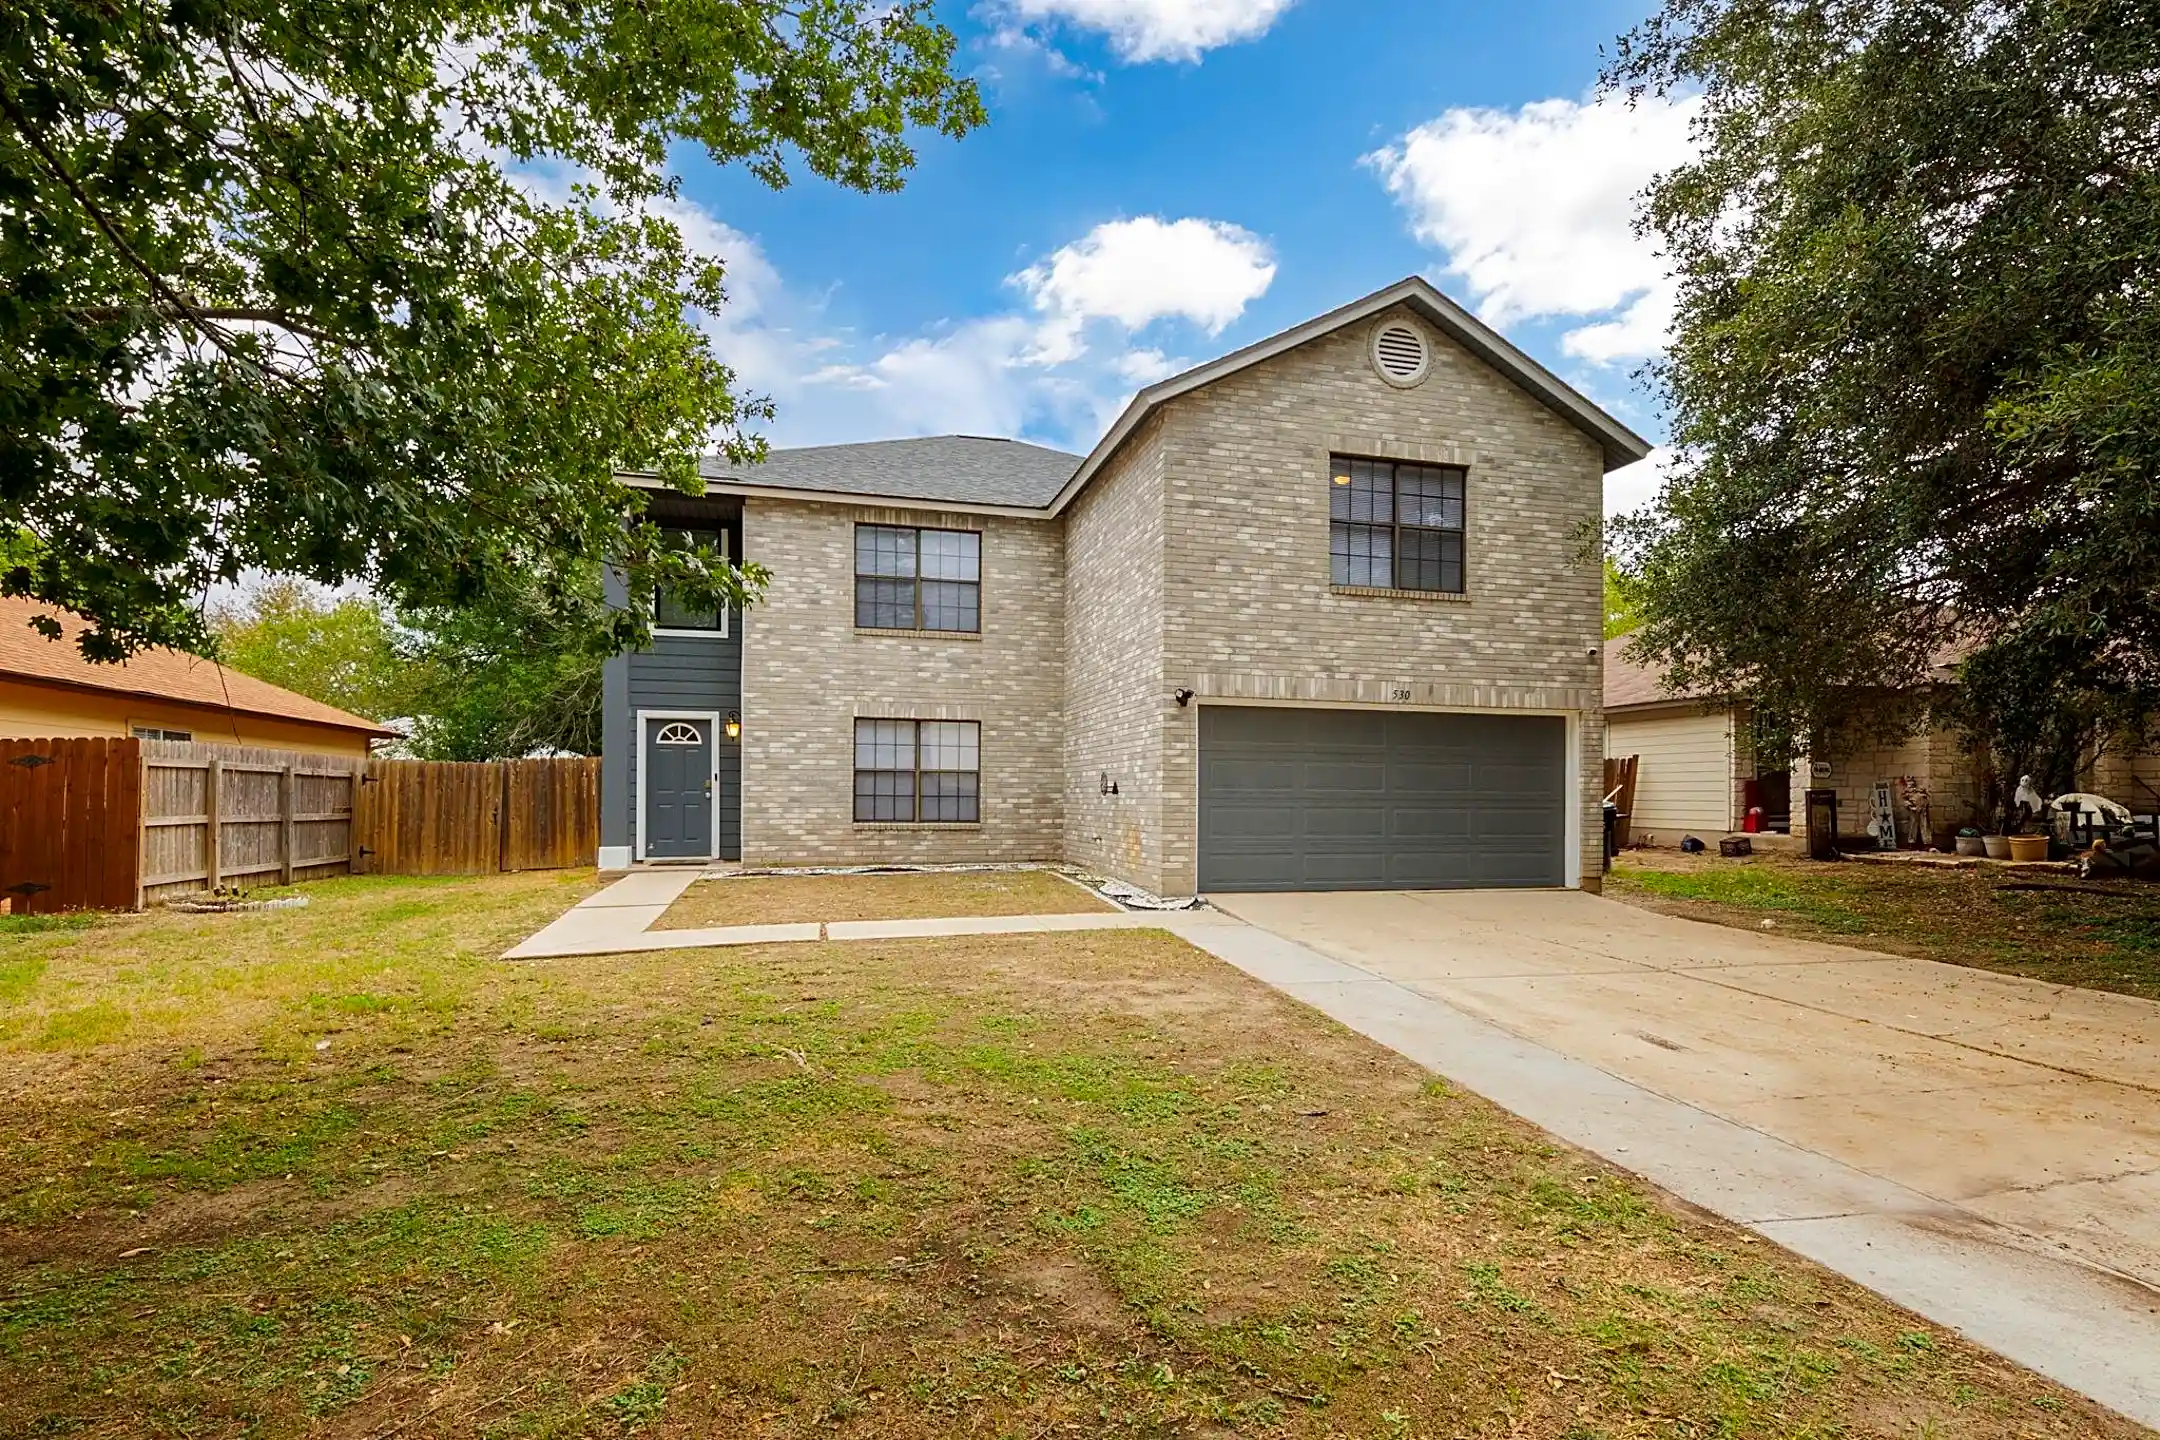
(1629, 684)
(160, 674)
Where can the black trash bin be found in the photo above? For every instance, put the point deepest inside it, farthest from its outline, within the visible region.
(1612, 832)
(1822, 825)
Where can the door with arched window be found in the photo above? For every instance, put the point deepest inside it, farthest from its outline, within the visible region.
(678, 789)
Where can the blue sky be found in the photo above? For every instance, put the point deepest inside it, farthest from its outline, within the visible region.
(1165, 180)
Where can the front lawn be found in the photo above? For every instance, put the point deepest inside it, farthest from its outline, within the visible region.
(2103, 935)
(337, 1171)
(916, 895)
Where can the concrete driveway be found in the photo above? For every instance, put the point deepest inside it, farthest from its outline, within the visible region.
(2029, 1107)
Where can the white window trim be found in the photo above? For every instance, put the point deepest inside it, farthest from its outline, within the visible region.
(637, 776)
(719, 632)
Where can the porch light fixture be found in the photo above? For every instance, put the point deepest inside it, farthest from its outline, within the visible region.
(1183, 697)
(734, 725)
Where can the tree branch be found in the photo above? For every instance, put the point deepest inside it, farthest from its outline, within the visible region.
(61, 173)
(102, 314)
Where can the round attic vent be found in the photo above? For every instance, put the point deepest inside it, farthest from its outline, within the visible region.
(1400, 354)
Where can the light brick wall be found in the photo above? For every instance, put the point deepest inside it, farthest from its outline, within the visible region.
(1935, 756)
(1115, 703)
(1197, 557)
(1247, 608)
(808, 673)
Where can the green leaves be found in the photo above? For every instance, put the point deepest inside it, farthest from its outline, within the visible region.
(1912, 379)
(385, 292)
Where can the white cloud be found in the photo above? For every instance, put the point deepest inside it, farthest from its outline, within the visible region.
(1143, 30)
(1633, 486)
(1056, 367)
(1135, 272)
(1534, 209)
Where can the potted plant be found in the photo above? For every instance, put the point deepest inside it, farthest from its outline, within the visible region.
(2024, 805)
(1971, 842)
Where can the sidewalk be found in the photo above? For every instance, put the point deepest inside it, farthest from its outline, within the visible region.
(619, 920)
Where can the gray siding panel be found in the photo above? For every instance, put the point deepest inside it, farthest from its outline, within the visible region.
(692, 673)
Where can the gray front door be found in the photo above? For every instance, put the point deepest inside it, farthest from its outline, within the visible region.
(677, 789)
(1296, 799)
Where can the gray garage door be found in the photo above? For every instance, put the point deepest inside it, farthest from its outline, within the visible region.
(1379, 800)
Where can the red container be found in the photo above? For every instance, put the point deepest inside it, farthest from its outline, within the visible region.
(1752, 823)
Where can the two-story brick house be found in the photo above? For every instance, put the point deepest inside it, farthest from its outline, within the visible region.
(1323, 613)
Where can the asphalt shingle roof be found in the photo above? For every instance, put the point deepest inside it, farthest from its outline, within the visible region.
(958, 469)
(26, 656)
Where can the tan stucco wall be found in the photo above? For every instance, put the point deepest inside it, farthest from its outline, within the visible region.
(1248, 611)
(39, 711)
(808, 673)
(1687, 760)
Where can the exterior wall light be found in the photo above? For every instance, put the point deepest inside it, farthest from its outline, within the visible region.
(734, 725)
(1183, 696)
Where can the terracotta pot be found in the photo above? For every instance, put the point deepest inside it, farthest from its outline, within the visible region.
(2028, 847)
(1971, 845)
(1997, 847)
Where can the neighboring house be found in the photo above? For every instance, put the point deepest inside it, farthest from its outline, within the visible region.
(48, 690)
(1318, 614)
(1698, 771)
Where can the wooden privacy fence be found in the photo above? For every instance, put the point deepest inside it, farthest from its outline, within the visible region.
(422, 817)
(1620, 790)
(221, 814)
(68, 812)
(90, 823)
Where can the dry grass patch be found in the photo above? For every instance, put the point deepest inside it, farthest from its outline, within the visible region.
(1088, 1184)
(928, 895)
(2101, 935)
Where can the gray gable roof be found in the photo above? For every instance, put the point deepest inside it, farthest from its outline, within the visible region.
(955, 469)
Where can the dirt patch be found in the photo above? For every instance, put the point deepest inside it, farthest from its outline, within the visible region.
(1072, 1292)
(928, 895)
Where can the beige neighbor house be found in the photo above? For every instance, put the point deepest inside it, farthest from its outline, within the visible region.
(1699, 774)
(49, 691)
(1318, 614)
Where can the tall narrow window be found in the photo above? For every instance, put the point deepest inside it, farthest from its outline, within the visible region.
(1395, 527)
(670, 612)
(908, 578)
(918, 770)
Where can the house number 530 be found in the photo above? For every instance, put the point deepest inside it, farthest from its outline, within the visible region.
(1400, 694)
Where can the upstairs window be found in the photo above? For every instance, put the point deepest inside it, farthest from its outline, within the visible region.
(1395, 527)
(921, 771)
(914, 579)
(669, 612)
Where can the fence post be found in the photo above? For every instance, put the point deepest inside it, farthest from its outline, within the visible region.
(213, 782)
(285, 825)
(142, 827)
(502, 816)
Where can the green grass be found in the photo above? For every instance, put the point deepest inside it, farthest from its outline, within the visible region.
(2103, 941)
(337, 1170)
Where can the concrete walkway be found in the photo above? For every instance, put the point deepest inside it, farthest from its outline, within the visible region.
(1982, 1150)
(618, 921)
